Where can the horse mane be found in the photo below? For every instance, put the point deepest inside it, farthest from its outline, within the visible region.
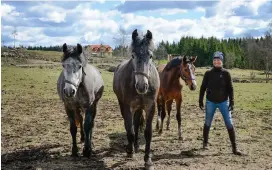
(73, 53)
(173, 63)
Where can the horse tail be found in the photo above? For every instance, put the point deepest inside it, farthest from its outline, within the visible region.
(77, 123)
(78, 119)
(141, 122)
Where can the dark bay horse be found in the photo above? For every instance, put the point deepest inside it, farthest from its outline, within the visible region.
(171, 88)
(80, 86)
(136, 84)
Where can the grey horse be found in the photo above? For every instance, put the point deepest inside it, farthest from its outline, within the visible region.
(136, 83)
(80, 86)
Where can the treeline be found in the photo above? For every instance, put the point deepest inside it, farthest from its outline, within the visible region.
(50, 48)
(120, 51)
(245, 53)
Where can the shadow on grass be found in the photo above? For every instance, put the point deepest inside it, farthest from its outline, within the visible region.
(42, 157)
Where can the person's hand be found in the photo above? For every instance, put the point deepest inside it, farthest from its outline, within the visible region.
(231, 105)
(201, 105)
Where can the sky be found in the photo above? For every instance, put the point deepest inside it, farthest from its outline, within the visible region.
(48, 23)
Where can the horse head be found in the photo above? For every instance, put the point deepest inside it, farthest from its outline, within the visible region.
(73, 63)
(141, 49)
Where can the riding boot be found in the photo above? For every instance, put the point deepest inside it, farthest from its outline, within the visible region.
(206, 130)
(235, 150)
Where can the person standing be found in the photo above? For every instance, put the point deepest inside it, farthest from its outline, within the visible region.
(217, 84)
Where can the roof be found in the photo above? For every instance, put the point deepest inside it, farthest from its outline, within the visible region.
(96, 47)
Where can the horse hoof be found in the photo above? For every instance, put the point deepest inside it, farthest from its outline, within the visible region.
(167, 128)
(82, 139)
(181, 138)
(157, 127)
(149, 166)
(129, 155)
(74, 151)
(160, 132)
(86, 152)
(136, 149)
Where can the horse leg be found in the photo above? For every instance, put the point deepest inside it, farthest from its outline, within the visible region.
(163, 114)
(169, 108)
(159, 114)
(142, 121)
(80, 119)
(137, 121)
(121, 108)
(178, 115)
(128, 120)
(148, 135)
(88, 129)
(73, 129)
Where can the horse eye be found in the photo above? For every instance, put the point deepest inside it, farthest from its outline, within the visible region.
(151, 56)
(132, 56)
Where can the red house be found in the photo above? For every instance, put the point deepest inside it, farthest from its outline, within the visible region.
(100, 50)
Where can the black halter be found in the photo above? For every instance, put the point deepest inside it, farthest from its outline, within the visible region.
(141, 73)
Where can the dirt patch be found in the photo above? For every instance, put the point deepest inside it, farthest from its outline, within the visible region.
(41, 139)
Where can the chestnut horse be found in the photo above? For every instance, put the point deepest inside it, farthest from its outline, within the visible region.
(171, 88)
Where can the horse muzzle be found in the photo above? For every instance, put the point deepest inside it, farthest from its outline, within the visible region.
(193, 87)
(141, 88)
(69, 92)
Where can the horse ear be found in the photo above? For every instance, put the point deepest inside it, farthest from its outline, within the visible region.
(149, 35)
(134, 34)
(79, 48)
(193, 59)
(64, 48)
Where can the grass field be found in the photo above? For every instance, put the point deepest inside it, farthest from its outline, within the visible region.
(35, 129)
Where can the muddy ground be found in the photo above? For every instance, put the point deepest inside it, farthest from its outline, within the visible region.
(35, 135)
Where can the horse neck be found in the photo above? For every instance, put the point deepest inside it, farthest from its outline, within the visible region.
(172, 77)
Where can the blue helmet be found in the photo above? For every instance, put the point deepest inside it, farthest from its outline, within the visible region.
(219, 55)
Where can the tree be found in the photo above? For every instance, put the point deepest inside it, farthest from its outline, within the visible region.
(229, 59)
(160, 52)
(14, 33)
(121, 39)
(267, 51)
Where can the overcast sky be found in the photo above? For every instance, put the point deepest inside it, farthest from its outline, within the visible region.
(71, 22)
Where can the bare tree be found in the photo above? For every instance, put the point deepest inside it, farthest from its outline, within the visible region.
(229, 60)
(121, 39)
(160, 52)
(14, 33)
(267, 51)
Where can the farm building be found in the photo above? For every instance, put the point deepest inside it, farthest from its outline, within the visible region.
(99, 50)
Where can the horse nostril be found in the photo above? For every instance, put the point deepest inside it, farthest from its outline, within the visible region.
(146, 86)
(137, 86)
(193, 87)
(73, 91)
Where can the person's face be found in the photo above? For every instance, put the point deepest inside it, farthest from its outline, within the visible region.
(217, 62)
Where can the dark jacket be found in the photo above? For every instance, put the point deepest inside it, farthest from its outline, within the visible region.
(218, 86)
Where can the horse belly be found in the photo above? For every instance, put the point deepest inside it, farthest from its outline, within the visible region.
(170, 94)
